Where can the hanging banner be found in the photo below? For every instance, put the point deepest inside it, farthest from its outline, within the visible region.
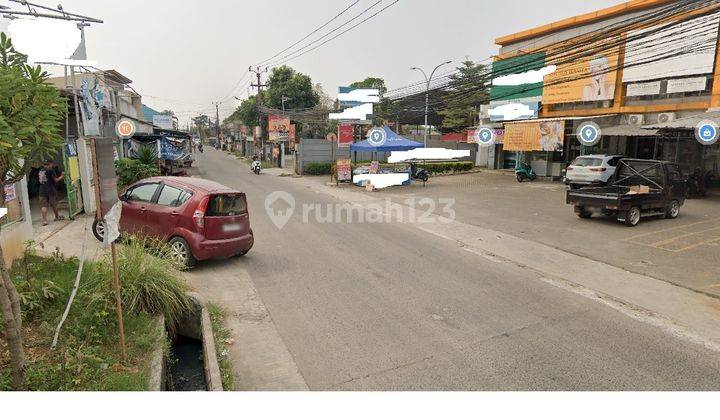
(586, 79)
(543, 136)
(278, 128)
(346, 135)
(693, 84)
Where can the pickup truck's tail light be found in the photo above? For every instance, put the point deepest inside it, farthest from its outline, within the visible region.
(598, 169)
(199, 215)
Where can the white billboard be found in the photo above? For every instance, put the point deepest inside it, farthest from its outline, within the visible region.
(682, 49)
(163, 121)
(49, 41)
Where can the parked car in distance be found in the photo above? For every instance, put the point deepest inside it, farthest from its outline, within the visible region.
(199, 219)
(639, 188)
(591, 170)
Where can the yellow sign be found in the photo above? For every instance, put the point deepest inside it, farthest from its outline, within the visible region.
(538, 136)
(74, 168)
(585, 79)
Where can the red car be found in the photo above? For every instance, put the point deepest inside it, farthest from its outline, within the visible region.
(200, 219)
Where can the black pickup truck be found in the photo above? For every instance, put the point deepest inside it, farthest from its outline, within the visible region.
(639, 188)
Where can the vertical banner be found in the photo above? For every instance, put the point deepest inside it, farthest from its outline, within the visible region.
(278, 128)
(346, 135)
(107, 178)
(344, 170)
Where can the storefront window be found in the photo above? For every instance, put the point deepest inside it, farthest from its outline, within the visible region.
(13, 205)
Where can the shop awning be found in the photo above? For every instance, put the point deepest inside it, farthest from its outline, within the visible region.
(628, 130)
(688, 123)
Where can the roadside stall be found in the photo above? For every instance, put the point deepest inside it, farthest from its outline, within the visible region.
(382, 140)
(174, 150)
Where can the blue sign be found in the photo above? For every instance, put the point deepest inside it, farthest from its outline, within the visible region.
(707, 133)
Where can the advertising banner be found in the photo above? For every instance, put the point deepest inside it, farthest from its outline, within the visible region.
(344, 170)
(107, 185)
(346, 135)
(543, 136)
(643, 89)
(278, 128)
(693, 84)
(688, 48)
(163, 121)
(586, 79)
(516, 66)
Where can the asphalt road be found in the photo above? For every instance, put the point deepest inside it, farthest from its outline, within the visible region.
(390, 307)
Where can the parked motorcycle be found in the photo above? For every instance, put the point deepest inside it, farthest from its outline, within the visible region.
(524, 171)
(419, 173)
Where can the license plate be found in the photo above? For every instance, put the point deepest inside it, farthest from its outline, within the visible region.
(230, 228)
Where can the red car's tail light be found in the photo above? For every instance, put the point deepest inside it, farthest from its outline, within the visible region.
(199, 215)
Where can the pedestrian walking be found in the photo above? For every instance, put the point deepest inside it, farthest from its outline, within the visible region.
(49, 175)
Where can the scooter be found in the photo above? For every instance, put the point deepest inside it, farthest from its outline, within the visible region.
(524, 171)
(419, 173)
(256, 167)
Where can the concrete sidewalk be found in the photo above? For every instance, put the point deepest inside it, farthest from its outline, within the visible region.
(66, 239)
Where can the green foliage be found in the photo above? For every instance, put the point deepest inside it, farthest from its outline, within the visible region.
(447, 167)
(284, 81)
(88, 355)
(222, 341)
(461, 109)
(147, 155)
(371, 83)
(318, 168)
(131, 170)
(31, 113)
(150, 278)
(247, 113)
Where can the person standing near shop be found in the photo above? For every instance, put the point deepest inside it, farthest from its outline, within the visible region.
(49, 175)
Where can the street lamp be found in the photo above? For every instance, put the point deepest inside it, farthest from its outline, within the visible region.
(428, 80)
(285, 99)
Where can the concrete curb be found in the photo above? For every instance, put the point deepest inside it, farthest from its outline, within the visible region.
(213, 376)
(157, 361)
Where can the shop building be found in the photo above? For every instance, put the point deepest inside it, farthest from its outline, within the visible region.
(645, 72)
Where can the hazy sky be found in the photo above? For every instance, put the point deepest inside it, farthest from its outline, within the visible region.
(185, 54)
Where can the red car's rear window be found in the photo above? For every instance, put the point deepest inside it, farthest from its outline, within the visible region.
(226, 205)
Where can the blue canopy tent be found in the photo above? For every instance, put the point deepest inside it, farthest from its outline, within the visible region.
(394, 143)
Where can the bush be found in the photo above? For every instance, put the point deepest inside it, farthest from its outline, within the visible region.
(131, 170)
(317, 168)
(447, 167)
(150, 279)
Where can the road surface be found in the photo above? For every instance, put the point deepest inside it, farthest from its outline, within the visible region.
(361, 306)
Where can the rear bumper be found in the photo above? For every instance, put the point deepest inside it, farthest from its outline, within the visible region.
(205, 249)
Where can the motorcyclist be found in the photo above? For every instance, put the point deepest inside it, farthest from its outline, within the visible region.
(255, 162)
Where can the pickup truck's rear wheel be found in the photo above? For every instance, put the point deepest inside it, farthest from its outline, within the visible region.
(582, 213)
(633, 216)
(673, 210)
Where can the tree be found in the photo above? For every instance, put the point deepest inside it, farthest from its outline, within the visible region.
(31, 113)
(202, 122)
(467, 90)
(168, 112)
(284, 81)
(371, 83)
(246, 113)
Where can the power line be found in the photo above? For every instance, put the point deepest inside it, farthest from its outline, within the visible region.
(310, 34)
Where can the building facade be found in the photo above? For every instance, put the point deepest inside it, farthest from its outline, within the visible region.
(645, 72)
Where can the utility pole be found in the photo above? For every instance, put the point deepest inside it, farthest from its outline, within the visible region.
(259, 97)
(217, 119)
(428, 80)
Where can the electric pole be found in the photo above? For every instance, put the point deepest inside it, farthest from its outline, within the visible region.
(259, 97)
(217, 119)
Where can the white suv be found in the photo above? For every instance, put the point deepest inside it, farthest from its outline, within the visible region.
(591, 170)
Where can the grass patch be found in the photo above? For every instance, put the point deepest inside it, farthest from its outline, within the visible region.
(222, 341)
(88, 354)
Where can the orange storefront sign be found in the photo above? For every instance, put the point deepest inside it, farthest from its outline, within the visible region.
(538, 136)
